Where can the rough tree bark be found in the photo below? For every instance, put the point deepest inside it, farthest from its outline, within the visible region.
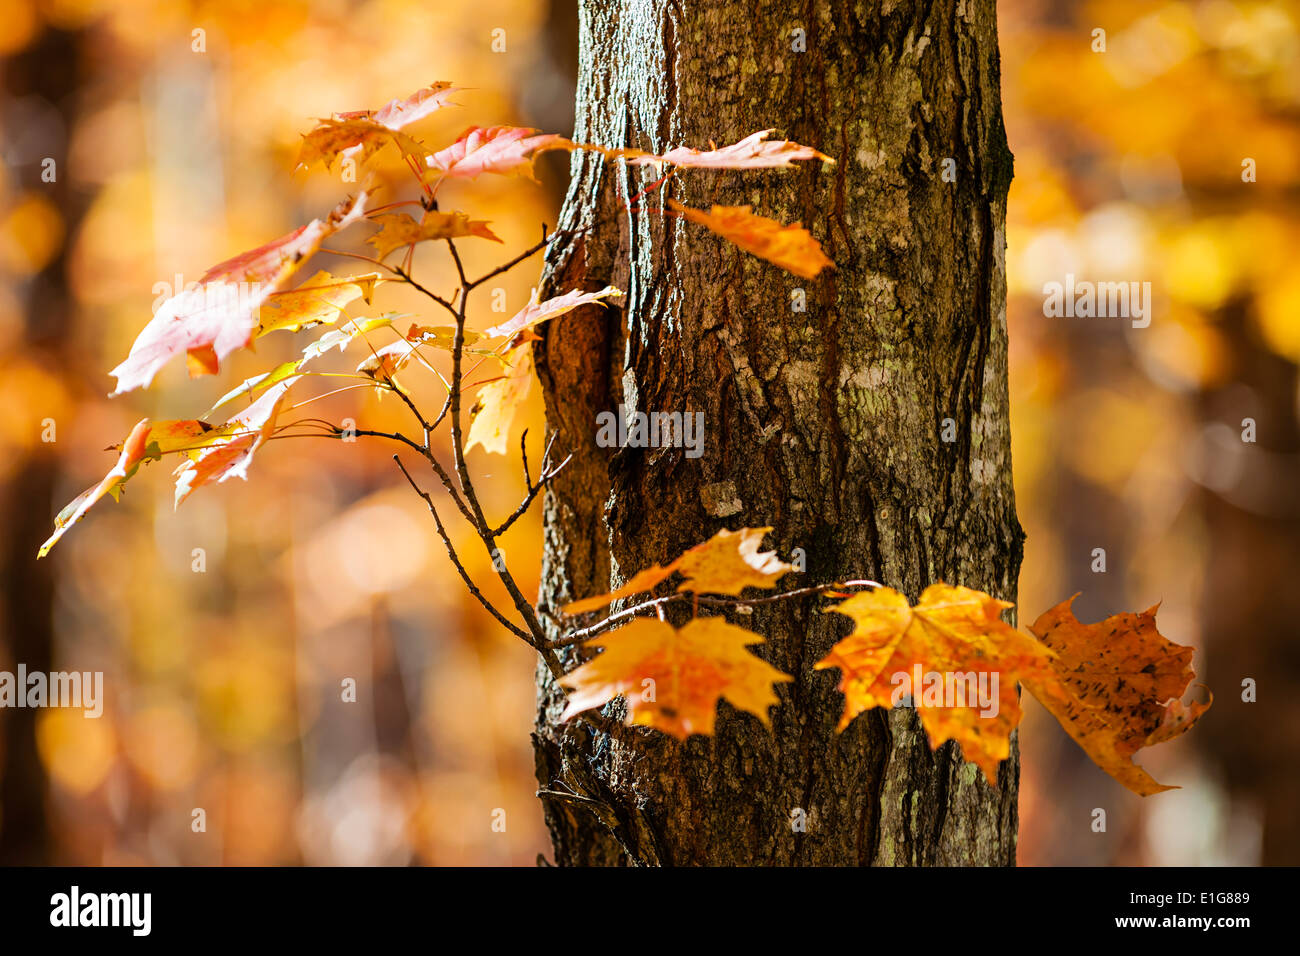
(825, 424)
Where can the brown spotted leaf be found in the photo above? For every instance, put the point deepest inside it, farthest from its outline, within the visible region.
(1115, 686)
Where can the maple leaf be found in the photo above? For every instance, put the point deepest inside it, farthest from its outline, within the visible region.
(752, 152)
(342, 337)
(361, 133)
(727, 563)
(148, 440)
(389, 360)
(951, 631)
(240, 437)
(211, 321)
(250, 387)
(400, 113)
(499, 401)
(537, 312)
(672, 679)
(1116, 687)
(133, 452)
(503, 150)
(791, 247)
(319, 300)
(399, 229)
(1111, 700)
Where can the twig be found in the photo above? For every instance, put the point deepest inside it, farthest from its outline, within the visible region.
(528, 499)
(531, 251)
(523, 453)
(455, 560)
(582, 634)
(406, 277)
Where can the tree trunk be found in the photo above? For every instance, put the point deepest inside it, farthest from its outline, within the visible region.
(826, 424)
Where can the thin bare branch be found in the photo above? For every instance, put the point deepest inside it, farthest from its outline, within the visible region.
(656, 604)
(455, 560)
(528, 498)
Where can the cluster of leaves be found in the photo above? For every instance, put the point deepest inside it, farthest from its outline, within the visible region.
(1115, 686)
(248, 296)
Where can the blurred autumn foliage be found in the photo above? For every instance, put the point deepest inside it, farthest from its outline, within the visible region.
(224, 684)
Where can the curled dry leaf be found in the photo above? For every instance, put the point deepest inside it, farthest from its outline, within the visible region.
(791, 247)
(504, 150)
(359, 134)
(148, 440)
(752, 152)
(133, 452)
(399, 229)
(537, 312)
(727, 563)
(221, 314)
(1115, 686)
(672, 679)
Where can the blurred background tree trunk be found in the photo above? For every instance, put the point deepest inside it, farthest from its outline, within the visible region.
(38, 110)
(824, 400)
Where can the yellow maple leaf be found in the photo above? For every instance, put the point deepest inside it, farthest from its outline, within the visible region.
(791, 247)
(727, 563)
(953, 632)
(499, 401)
(672, 679)
(321, 299)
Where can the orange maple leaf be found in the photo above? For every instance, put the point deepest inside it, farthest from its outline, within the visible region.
(791, 247)
(672, 679)
(399, 229)
(1115, 686)
(727, 563)
(952, 632)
